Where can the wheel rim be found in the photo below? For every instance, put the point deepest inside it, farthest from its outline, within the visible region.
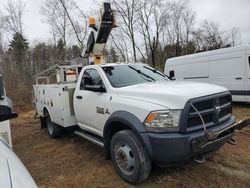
(125, 158)
(49, 126)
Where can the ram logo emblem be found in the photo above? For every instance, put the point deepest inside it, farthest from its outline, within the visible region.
(217, 110)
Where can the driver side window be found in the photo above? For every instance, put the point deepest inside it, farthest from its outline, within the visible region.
(93, 78)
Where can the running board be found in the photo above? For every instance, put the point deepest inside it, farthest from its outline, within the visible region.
(90, 138)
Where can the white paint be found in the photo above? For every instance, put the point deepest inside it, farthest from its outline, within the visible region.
(13, 173)
(5, 133)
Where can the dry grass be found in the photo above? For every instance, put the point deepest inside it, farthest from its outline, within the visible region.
(73, 162)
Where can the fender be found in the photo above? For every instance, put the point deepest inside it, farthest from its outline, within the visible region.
(128, 120)
(45, 108)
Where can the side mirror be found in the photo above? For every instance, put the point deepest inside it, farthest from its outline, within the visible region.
(95, 88)
(87, 80)
(172, 74)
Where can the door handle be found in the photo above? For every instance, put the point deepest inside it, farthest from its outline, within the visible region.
(238, 78)
(79, 97)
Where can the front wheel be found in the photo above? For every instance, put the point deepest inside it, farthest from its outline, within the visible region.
(54, 130)
(129, 157)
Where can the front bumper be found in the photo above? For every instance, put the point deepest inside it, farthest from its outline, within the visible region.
(176, 148)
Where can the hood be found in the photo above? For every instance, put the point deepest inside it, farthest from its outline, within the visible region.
(13, 173)
(169, 94)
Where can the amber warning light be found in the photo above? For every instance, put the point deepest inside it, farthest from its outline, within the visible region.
(92, 22)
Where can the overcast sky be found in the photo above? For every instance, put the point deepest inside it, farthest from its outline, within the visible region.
(228, 13)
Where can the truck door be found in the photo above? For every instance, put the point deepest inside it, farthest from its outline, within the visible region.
(89, 106)
(248, 80)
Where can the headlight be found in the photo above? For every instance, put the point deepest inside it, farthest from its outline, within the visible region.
(163, 119)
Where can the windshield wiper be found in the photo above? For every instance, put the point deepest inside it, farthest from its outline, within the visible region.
(141, 73)
(156, 71)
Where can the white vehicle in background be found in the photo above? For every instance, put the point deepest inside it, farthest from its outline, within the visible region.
(228, 67)
(13, 174)
(5, 114)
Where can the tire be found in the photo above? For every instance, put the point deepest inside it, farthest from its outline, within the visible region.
(129, 157)
(54, 130)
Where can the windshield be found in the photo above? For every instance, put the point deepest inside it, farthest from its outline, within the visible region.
(127, 75)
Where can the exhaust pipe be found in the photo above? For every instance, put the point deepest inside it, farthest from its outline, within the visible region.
(199, 159)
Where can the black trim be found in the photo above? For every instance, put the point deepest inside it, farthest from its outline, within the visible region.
(185, 114)
(197, 77)
(1, 88)
(6, 113)
(8, 116)
(240, 92)
(170, 149)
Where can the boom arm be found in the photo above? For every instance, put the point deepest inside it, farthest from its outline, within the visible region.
(94, 50)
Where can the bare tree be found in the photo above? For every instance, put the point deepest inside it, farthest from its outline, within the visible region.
(57, 18)
(209, 36)
(235, 36)
(177, 24)
(188, 21)
(66, 19)
(120, 45)
(127, 11)
(78, 31)
(153, 17)
(13, 20)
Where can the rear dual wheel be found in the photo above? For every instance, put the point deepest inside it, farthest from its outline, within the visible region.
(129, 157)
(54, 130)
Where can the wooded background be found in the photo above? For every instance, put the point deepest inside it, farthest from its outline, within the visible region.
(149, 31)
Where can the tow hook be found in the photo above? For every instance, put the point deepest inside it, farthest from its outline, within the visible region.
(232, 141)
(199, 159)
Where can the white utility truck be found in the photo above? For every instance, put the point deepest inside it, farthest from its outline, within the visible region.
(133, 111)
(228, 67)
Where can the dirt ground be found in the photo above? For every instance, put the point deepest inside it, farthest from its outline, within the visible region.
(74, 162)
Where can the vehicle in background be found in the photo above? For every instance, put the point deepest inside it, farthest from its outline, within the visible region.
(13, 174)
(5, 114)
(228, 67)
